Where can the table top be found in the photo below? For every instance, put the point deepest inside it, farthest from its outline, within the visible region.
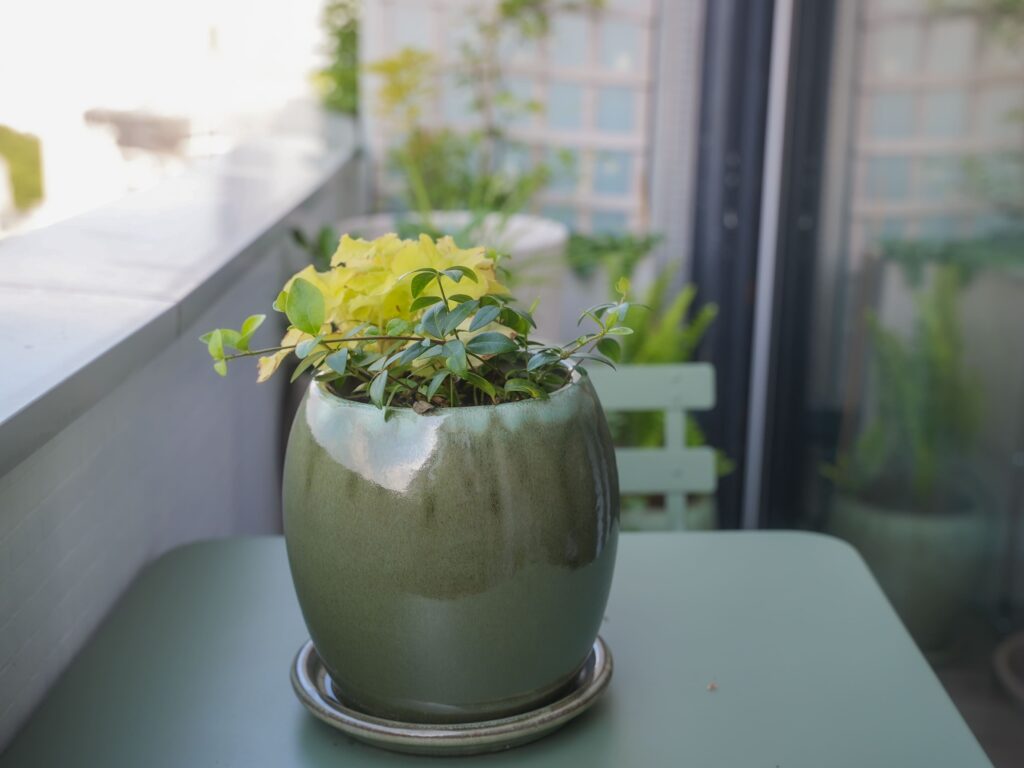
(810, 666)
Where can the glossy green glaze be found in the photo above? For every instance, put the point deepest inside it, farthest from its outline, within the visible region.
(454, 566)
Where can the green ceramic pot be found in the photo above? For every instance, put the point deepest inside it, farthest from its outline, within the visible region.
(454, 566)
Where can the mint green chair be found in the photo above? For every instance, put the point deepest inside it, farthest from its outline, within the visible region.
(673, 470)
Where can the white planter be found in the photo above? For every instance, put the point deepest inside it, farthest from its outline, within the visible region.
(537, 249)
(928, 565)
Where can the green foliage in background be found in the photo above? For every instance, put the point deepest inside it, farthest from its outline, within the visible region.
(465, 167)
(928, 407)
(616, 254)
(23, 155)
(338, 82)
(668, 332)
(966, 257)
(319, 248)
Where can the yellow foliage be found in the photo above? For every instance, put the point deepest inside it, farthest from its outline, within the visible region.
(370, 282)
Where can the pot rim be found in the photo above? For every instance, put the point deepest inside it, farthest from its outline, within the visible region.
(576, 375)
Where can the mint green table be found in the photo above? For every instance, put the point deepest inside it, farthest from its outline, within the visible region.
(811, 665)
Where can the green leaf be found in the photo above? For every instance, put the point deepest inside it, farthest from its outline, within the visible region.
(433, 351)
(542, 358)
(458, 315)
(457, 272)
(230, 338)
(327, 244)
(622, 286)
(377, 386)
(525, 386)
(249, 327)
(610, 348)
(354, 332)
(456, 356)
(491, 343)
(420, 281)
(424, 301)
(304, 347)
(434, 320)
(595, 358)
(338, 361)
(517, 320)
(221, 367)
(407, 355)
(458, 298)
(305, 307)
(479, 382)
(280, 302)
(300, 237)
(308, 362)
(435, 384)
(620, 330)
(485, 316)
(397, 327)
(215, 344)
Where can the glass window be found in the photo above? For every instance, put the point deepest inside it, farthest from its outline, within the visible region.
(564, 165)
(938, 229)
(892, 115)
(902, 346)
(614, 222)
(888, 178)
(620, 46)
(455, 99)
(940, 177)
(999, 108)
(515, 159)
(951, 46)
(564, 213)
(616, 107)
(613, 173)
(945, 114)
(565, 106)
(412, 26)
(568, 44)
(519, 111)
(896, 50)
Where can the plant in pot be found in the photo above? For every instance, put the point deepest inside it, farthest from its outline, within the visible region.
(669, 331)
(906, 496)
(450, 497)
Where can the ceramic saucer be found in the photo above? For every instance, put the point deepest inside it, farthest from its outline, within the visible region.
(313, 685)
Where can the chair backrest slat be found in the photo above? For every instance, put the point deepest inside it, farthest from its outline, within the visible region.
(674, 469)
(680, 386)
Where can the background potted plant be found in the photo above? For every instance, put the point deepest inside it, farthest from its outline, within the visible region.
(470, 183)
(906, 495)
(450, 490)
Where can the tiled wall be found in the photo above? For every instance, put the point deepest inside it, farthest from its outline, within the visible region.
(171, 455)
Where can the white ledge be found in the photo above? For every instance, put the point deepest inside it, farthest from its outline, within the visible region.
(85, 302)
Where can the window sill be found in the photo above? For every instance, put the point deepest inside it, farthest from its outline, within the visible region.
(85, 302)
